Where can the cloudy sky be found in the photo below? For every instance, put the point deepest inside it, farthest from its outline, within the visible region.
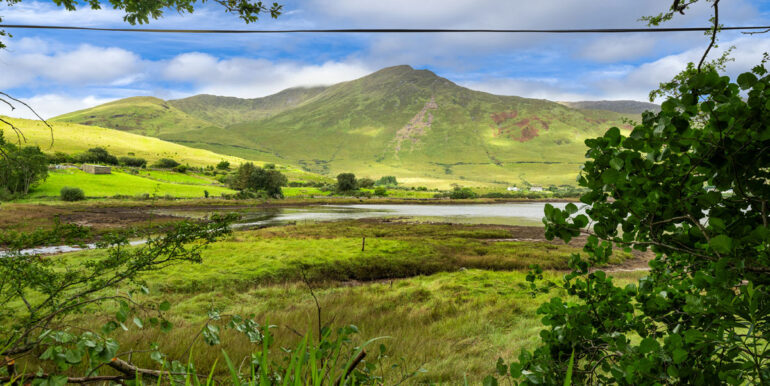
(61, 71)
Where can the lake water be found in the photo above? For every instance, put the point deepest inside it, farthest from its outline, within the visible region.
(528, 213)
(519, 213)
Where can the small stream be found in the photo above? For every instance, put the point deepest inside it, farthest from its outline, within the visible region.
(524, 214)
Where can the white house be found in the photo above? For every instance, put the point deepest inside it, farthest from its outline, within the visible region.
(535, 188)
(513, 189)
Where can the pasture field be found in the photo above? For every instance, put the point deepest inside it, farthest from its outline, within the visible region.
(450, 299)
(120, 183)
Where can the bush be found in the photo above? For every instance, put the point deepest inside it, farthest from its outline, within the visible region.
(72, 194)
(165, 163)
(366, 183)
(223, 165)
(380, 191)
(181, 169)
(387, 181)
(59, 158)
(133, 162)
(96, 155)
(459, 193)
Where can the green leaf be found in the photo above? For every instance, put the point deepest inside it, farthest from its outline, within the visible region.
(648, 345)
(138, 322)
(721, 244)
(166, 326)
(616, 163)
(502, 369)
(746, 80)
(679, 355)
(490, 381)
(571, 208)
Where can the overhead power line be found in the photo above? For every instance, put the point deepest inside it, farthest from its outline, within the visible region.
(383, 30)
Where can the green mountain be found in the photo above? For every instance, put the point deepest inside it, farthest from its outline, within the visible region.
(223, 111)
(399, 121)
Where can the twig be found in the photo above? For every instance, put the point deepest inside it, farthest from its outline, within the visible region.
(317, 304)
(713, 34)
(352, 366)
(33, 112)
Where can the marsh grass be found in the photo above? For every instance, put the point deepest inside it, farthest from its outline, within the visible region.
(449, 299)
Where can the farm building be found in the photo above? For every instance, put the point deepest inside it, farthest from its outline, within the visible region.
(97, 169)
(513, 189)
(536, 189)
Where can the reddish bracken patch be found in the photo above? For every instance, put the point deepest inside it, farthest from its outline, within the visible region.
(522, 130)
(527, 133)
(503, 116)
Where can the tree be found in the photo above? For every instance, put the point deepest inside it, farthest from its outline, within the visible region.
(140, 11)
(223, 165)
(255, 178)
(346, 182)
(21, 167)
(691, 184)
(387, 181)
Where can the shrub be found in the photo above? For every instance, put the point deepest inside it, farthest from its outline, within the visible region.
(72, 194)
(459, 193)
(380, 191)
(96, 155)
(366, 183)
(387, 181)
(59, 158)
(165, 163)
(133, 162)
(223, 165)
(181, 169)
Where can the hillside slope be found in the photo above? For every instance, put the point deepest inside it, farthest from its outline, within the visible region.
(405, 122)
(73, 138)
(222, 111)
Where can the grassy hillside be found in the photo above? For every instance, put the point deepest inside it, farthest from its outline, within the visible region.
(422, 128)
(222, 111)
(140, 115)
(73, 138)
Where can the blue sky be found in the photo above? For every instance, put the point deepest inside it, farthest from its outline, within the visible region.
(61, 71)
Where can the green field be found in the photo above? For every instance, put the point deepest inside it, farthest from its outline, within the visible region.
(450, 298)
(73, 138)
(119, 183)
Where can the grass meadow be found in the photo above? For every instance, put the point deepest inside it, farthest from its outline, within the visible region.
(450, 299)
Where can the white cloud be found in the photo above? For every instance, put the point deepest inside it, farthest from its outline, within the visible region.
(251, 78)
(51, 105)
(82, 66)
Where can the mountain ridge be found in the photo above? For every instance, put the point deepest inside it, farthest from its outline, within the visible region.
(400, 121)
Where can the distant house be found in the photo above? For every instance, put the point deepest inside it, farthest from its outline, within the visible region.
(97, 169)
(535, 188)
(513, 189)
